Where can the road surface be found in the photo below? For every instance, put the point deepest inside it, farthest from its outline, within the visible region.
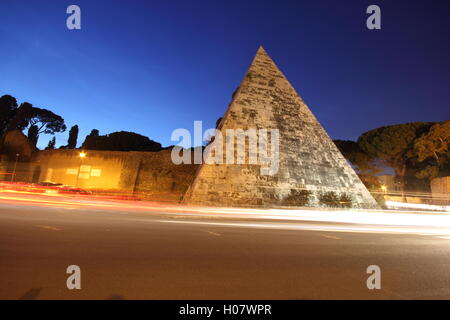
(131, 253)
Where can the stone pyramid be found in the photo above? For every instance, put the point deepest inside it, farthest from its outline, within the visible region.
(308, 158)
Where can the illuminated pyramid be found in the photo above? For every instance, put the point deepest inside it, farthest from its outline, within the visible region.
(308, 158)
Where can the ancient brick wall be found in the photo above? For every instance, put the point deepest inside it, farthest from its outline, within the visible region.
(440, 187)
(163, 180)
(150, 174)
(21, 172)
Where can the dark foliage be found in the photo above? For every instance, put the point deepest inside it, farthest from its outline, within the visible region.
(51, 144)
(37, 120)
(46, 121)
(94, 133)
(8, 105)
(19, 119)
(73, 136)
(297, 198)
(345, 200)
(379, 198)
(33, 134)
(331, 199)
(393, 145)
(218, 122)
(120, 141)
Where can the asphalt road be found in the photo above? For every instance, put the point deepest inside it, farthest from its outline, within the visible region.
(156, 255)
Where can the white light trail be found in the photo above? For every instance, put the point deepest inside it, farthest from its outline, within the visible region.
(395, 204)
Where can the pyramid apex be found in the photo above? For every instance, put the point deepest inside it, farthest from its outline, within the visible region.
(261, 49)
(261, 54)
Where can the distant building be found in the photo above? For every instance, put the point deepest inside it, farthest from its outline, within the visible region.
(440, 189)
(388, 183)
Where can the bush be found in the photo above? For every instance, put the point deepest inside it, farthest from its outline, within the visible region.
(379, 198)
(298, 198)
(345, 201)
(331, 199)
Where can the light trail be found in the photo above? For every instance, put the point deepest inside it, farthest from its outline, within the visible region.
(443, 232)
(339, 220)
(422, 206)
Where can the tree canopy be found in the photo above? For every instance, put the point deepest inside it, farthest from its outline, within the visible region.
(46, 121)
(120, 141)
(393, 145)
(37, 120)
(433, 152)
(33, 134)
(364, 165)
(351, 150)
(51, 144)
(73, 137)
(435, 143)
(8, 105)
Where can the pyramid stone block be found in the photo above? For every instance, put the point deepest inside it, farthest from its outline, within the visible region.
(308, 158)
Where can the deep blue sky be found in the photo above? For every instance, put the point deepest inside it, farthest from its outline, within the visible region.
(154, 66)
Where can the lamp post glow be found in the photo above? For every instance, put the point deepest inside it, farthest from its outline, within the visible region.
(82, 156)
(15, 166)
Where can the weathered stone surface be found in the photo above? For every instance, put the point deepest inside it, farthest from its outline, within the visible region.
(440, 190)
(15, 142)
(308, 157)
(151, 175)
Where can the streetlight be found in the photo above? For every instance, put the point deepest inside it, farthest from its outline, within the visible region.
(15, 166)
(82, 155)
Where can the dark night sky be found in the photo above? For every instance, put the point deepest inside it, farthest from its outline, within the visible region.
(154, 66)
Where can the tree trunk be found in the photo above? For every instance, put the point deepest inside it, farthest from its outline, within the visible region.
(400, 172)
